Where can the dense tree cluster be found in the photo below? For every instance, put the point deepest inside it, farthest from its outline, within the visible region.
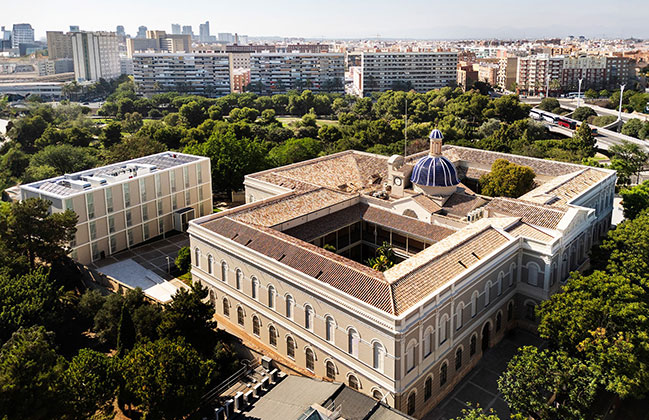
(596, 329)
(507, 179)
(70, 354)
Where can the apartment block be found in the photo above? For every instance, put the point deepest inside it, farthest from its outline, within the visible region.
(537, 71)
(127, 203)
(421, 71)
(96, 55)
(507, 72)
(619, 70)
(280, 72)
(239, 78)
(59, 45)
(51, 67)
(206, 74)
(159, 41)
(487, 73)
(591, 69)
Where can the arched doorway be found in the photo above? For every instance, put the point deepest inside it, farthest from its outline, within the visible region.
(486, 332)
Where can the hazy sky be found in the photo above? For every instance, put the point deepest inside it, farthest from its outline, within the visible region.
(430, 19)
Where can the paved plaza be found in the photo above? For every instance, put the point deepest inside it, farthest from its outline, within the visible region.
(152, 256)
(480, 386)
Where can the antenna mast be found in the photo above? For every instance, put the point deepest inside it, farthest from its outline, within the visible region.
(405, 133)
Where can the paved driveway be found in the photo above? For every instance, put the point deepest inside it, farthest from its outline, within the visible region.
(480, 385)
(152, 256)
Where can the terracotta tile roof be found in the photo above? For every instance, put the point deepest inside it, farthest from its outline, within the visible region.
(272, 212)
(346, 275)
(404, 224)
(460, 204)
(529, 231)
(349, 171)
(315, 228)
(560, 192)
(411, 289)
(285, 182)
(428, 204)
(531, 213)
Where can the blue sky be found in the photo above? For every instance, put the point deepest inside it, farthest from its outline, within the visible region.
(430, 19)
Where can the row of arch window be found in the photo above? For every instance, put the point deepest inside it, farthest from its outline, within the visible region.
(429, 338)
(353, 337)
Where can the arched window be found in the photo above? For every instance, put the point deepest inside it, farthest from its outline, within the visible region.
(379, 353)
(459, 314)
(352, 342)
(530, 311)
(310, 360)
(510, 311)
(212, 298)
(443, 329)
(428, 388)
(512, 273)
(289, 306)
(499, 283)
(553, 274)
(197, 257)
(224, 271)
(226, 307)
(308, 317)
(411, 403)
(377, 395)
(353, 382)
(410, 357)
(271, 296)
(239, 279)
(330, 326)
(210, 263)
(255, 287)
(458, 358)
(474, 303)
(428, 342)
(473, 344)
(272, 336)
(443, 374)
(532, 274)
(240, 315)
(255, 325)
(487, 294)
(290, 347)
(499, 321)
(331, 370)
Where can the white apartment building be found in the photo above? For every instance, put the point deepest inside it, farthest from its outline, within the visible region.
(272, 72)
(22, 33)
(421, 71)
(124, 204)
(206, 74)
(96, 55)
(59, 45)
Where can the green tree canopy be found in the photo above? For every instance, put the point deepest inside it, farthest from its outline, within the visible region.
(30, 374)
(294, 150)
(165, 379)
(90, 383)
(635, 200)
(549, 104)
(548, 385)
(628, 160)
(582, 143)
(583, 112)
(184, 260)
(507, 179)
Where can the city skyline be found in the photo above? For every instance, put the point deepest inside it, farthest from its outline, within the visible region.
(340, 20)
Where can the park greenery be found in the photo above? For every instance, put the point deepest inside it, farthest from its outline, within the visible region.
(70, 352)
(244, 133)
(596, 329)
(507, 179)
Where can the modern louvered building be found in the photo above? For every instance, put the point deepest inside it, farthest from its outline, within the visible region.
(127, 203)
(287, 271)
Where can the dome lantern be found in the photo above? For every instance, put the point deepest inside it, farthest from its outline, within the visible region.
(435, 174)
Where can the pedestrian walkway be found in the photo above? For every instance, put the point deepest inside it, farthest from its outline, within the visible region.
(480, 386)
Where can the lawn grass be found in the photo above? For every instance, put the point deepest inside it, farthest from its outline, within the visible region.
(320, 122)
(186, 278)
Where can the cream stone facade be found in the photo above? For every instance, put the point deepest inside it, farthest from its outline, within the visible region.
(469, 267)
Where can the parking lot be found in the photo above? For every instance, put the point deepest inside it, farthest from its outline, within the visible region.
(152, 256)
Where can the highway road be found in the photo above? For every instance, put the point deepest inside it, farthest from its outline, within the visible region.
(572, 105)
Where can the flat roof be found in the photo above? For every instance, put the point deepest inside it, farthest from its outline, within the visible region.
(90, 179)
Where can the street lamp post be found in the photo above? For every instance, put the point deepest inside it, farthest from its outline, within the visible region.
(579, 93)
(619, 114)
(168, 265)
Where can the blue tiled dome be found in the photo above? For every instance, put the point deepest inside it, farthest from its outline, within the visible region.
(434, 171)
(436, 134)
